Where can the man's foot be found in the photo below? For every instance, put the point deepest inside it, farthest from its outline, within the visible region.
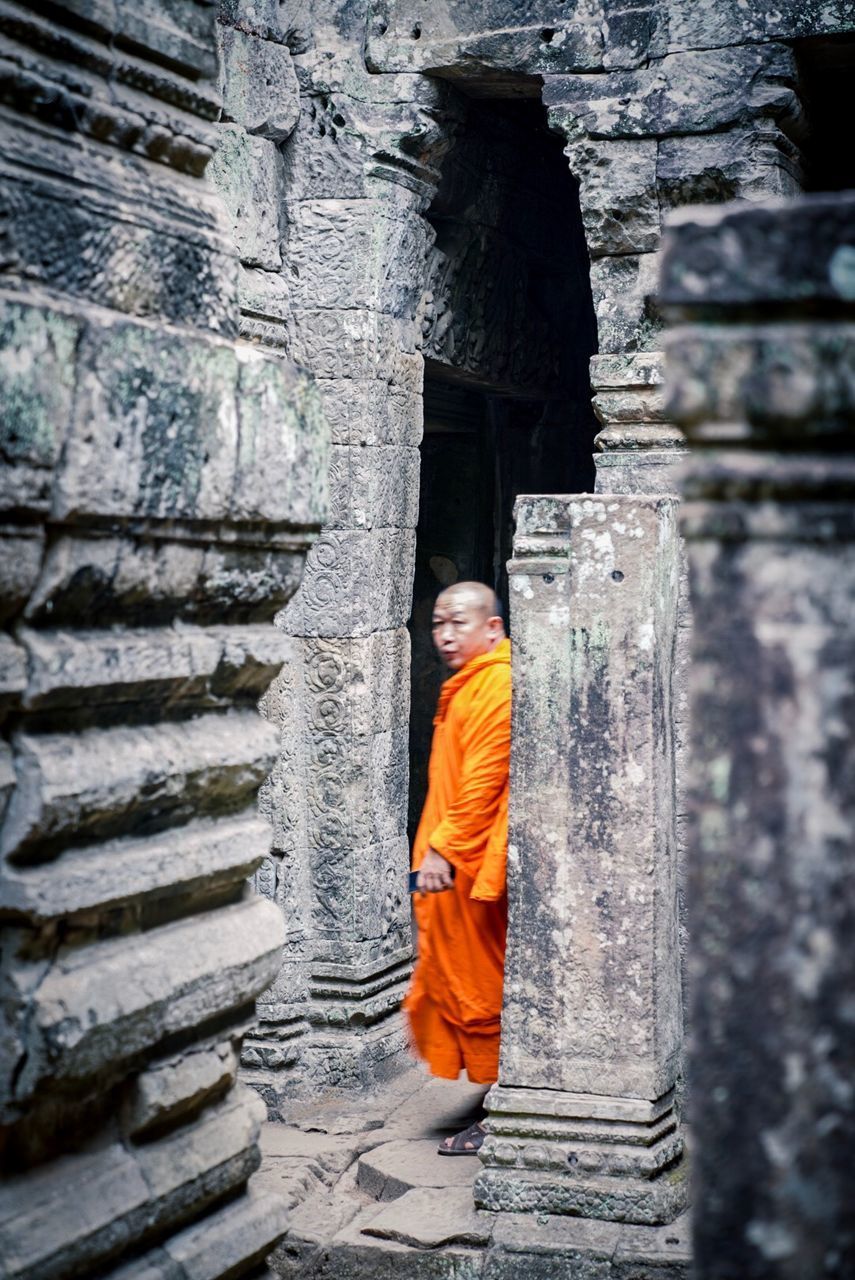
(467, 1143)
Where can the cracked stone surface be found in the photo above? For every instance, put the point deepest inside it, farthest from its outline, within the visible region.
(370, 1199)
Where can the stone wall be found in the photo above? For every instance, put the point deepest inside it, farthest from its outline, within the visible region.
(760, 361)
(161, 482)
(336, 204)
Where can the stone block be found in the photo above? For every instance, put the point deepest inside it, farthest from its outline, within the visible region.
(547, 1247)
(7, 776)
(134, 582)
(369, 413)
(373, 487)
(781, 384)
(265, 307)
(624, 370)
(382, 900)
(42, 1236)
(102, 1005)
(625, 291)
(13, 673)
(747, 164)
(325, 157)
(429, 1217)
(121, 1193)
(390, 1170)
(22, 549)
(199, 859)
(356, 253)
(174, 1089)
(259, 84)
(784, 251)
(355, 343)
(153, 773)
(37, 382)
(241, 1234)
(729, 23)
(483, 40)
(263, 18)
(633, 34)
(618, 195)
(247, 171)
(154, 431)
(355, 583)
(282, 453)
(683, 93)
(80, 668)
(177, 33)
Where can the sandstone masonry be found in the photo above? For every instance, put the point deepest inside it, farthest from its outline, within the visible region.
(160, 484)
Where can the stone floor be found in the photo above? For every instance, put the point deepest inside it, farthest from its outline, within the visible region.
(371, 1200)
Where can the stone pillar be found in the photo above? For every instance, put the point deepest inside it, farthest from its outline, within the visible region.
(760, 360)
(582, 1120)
(354, 249)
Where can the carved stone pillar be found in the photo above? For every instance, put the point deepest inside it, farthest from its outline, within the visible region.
(358, 178)
(760, 366)
(638, 450)
(582, 1120)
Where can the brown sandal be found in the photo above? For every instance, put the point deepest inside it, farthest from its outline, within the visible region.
(457, 1146)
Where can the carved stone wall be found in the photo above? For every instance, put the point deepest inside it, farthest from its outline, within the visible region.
(659, 105)
(160, 484)
(359, 170)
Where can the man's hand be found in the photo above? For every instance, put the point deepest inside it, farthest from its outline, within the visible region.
(434, 874)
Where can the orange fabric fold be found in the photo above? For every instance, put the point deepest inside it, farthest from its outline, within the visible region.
(455, 998)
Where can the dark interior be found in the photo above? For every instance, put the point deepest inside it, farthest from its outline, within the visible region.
(507, 394)
(827, 88)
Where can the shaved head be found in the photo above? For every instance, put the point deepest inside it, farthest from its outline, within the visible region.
(467, 621)
(476, 594)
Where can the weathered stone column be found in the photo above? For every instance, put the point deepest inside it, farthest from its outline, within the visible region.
(357, 179)
(582, 1120)
(760, 368)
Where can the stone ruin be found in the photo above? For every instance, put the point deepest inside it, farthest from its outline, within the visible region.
(254, 256)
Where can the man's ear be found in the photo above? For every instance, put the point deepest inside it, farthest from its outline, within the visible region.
(496, 628)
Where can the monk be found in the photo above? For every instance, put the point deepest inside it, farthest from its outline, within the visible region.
(460, 850)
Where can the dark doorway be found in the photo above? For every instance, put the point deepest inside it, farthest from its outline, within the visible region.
(509, 334)
(827, 88)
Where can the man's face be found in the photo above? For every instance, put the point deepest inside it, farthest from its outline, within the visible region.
(463, 629)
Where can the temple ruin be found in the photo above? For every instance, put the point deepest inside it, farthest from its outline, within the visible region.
(309, 309)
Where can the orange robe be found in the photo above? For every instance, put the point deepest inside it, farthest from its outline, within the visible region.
(455, 998)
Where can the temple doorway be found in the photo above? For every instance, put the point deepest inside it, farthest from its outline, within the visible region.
(509, 331)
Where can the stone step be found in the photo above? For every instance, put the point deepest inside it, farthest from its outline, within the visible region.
(430, 1217)
(395, 1168)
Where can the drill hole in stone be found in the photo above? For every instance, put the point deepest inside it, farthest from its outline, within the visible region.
(617, 576)
(572, 1159)
(547, 35)
(548, 577)
(671, 1240)
(417, 31)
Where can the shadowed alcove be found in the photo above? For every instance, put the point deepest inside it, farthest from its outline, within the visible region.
(509, 330)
